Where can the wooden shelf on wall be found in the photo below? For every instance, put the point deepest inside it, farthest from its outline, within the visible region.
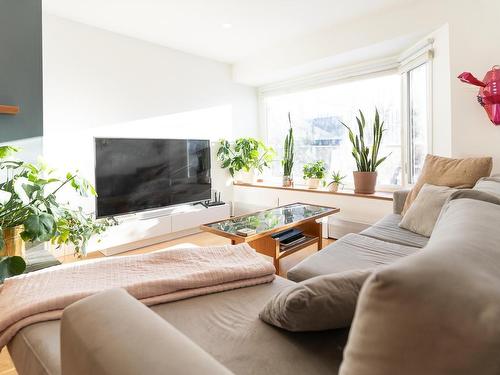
(9, 109)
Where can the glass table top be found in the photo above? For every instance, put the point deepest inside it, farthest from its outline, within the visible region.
(273, 218)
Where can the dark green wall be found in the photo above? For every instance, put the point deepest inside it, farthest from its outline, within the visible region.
(21, 68)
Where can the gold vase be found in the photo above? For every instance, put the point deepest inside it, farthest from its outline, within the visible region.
(14, 244)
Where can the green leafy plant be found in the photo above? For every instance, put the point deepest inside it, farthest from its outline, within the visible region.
(28, 198)
(336, 178)
(287, 161)
(245, 154)
(367, 157)
(314, 170)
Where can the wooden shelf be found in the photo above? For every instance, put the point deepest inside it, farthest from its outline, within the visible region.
(385, 196)
(9, 109)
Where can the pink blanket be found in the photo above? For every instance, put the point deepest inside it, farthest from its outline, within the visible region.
(153, 278)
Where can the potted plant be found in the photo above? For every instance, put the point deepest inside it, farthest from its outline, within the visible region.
(244, 157)
(30, 211)
(367, 161)
(336, 180)
(314, 173)
(287, 161)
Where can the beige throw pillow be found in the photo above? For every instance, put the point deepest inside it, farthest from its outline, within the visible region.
(456, 173)
(320, 303)
(424, 212)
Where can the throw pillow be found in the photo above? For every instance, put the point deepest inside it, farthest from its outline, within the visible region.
(424, 212)
(320, 303)
(489, 185)
(456, 173)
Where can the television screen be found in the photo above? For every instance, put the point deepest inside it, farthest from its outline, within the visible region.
(139, 174)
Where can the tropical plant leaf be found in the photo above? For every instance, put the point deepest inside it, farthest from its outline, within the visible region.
(11, 266)
(6, 151)
(39, 227)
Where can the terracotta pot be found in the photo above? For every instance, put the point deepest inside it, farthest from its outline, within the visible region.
(313, 183)
(14, 244)
(333, 187)
(287, 181)
(364, 182)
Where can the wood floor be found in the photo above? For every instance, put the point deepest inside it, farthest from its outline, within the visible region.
(201, 239)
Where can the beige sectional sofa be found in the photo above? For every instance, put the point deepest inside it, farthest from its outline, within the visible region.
(432, 306)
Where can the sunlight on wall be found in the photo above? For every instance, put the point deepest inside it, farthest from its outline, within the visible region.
(70, 151)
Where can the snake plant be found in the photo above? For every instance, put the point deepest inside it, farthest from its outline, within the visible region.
(367, 157)
(287, 161)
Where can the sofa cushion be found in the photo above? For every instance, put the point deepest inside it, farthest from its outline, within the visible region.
(457, 173)
(489, 185)
(323, 302)
(438, 311)
(387, 229)
(424, 212)
(351, 252)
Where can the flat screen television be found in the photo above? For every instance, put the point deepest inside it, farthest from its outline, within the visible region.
(134, 175)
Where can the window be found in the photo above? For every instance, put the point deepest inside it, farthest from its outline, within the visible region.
(318, 113)
(417, 120)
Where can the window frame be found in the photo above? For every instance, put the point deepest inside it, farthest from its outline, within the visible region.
(413, 58)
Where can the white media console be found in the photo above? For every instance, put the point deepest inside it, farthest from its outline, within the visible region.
(152, 227)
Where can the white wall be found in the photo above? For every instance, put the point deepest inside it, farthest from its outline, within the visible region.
(97, 83)
(474, 47)
(441, 94)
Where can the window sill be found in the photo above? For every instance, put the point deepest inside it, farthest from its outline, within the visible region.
(380, 195)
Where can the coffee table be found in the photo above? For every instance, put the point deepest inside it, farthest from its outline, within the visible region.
(302, 216)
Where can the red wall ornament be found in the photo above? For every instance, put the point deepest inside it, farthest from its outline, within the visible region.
(489, 91)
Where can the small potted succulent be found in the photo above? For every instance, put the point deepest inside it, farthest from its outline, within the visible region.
(367, 160)
(314, 173)
(336, 180)
(287, 161)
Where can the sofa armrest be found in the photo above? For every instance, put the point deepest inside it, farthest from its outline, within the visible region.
(399, 199)
(113, 333)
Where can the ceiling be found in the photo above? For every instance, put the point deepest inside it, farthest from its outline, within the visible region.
(223, 30)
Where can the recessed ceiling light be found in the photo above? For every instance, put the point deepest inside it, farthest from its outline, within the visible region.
(227, 25)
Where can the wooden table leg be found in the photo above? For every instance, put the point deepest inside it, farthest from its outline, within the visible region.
(270, 247)
(320, 235)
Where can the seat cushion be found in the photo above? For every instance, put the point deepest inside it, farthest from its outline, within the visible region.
(36, 349)
(226, 325)
(387, 229)
(351, 252)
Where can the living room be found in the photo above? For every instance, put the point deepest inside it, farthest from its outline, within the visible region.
(321, 176)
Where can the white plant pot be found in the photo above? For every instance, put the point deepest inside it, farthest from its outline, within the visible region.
(313, 183)
(245, 177)
(333, 187)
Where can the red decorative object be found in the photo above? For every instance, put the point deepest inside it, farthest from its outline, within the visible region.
(489, 92)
